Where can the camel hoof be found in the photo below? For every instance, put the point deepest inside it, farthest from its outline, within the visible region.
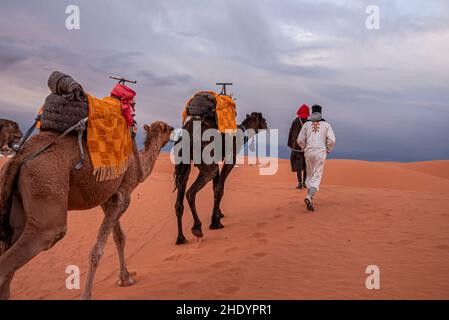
(221, 215)
(127, 282)
(216, 226)
(197, 232)
(182, 240)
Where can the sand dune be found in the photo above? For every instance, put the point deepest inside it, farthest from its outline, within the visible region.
(434, 168)
(414, 177)
(395, 216)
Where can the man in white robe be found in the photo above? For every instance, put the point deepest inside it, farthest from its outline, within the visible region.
(317, 139)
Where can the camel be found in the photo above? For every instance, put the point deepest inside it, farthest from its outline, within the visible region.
(10, 134)
(48, 186)
(208, 172)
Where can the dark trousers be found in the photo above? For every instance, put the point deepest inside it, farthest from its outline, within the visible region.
(298, 163)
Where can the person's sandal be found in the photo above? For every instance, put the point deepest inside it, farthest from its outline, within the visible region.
(309, 204)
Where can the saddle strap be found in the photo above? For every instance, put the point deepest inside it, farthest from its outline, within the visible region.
(28, 133)
(80, 127)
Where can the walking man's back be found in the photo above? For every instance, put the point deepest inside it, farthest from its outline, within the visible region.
(317, 139)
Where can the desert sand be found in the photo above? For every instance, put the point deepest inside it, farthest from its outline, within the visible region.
(392, 215)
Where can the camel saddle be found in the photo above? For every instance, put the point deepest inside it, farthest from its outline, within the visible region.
(65, 106)
(217, 108)
(202, 104)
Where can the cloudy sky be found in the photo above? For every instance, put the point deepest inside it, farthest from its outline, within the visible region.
(386, 92)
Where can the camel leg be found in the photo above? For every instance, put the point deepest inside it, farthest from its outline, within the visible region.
(179, 206)
(31, 237)
(17, 222)
(26, 248)
(215, 183)
(218, 195)
(207, 173)
(113, 209)
(125, 277)
(28, 241)
(17, 218)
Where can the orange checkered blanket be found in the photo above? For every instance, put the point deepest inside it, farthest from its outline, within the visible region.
(225, 111)
(108, 138)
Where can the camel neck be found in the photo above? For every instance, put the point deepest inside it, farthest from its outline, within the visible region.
(148, 156)
(246, 137)
(245, 128)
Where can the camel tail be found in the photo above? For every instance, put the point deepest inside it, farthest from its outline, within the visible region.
(182, 169)
(8, 177)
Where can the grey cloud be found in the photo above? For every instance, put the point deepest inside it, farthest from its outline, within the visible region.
(152, 79)
(176, 47)
(305, 71)
(10, 53)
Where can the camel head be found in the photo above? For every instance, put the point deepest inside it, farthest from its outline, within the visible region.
(255, 121)
(158, 130)
(10, 134)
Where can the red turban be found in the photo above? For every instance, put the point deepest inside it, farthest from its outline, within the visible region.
(126, 96)
(303, 112)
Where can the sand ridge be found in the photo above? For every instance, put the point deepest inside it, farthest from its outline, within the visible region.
(392, 215)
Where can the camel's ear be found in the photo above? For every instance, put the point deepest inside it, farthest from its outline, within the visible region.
(247, 115)
(162, 126)
(147, 128)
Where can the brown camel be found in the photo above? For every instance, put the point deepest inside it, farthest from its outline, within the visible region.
(48, 186)
(10, 134)
(252, 124)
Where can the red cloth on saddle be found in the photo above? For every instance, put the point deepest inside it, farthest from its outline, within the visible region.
(126, 95)
(303, 112)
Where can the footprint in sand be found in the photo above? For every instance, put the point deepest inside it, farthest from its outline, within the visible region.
(278, 209)
(230, 290)
(262, 241)
(230, 250)
(234, 270)
(187, 285)
(219, 264)
(233, 274)
(261, 224)
(176, 257)
(258, 235)
(197, 243)
(260, 254)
